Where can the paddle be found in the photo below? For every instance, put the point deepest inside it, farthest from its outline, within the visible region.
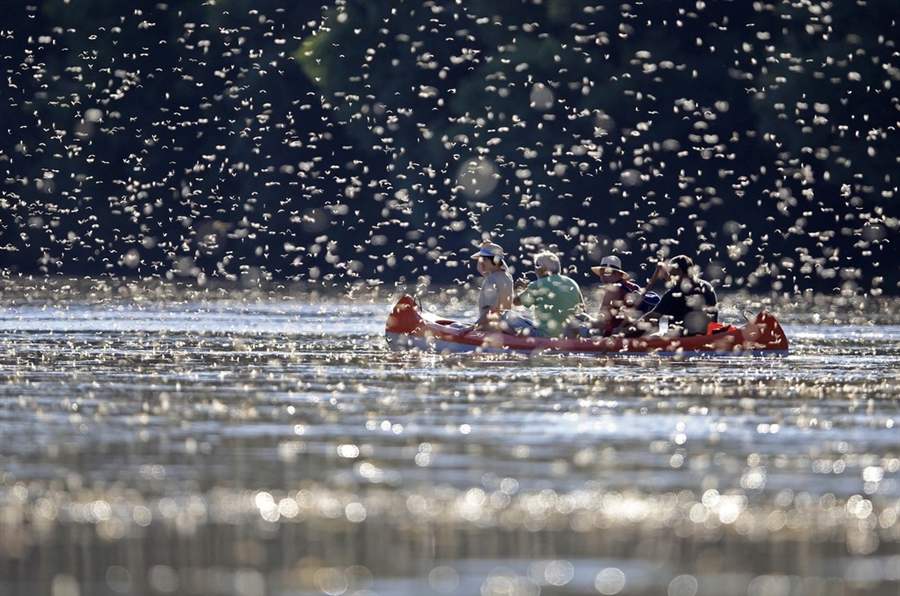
(660, 270)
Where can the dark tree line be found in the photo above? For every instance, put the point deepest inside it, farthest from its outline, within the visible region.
(373, 141)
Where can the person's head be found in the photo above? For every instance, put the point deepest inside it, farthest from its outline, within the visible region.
(546, 263)
(610, 269)
(490, 258)
(681, 266)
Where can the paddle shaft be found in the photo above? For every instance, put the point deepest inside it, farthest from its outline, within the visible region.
(649, 285)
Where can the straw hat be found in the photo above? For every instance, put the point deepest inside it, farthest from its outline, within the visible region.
(610, 264)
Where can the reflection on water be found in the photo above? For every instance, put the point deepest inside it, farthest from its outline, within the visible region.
(223, 443)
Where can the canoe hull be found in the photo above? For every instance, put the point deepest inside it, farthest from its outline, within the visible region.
(409, 328)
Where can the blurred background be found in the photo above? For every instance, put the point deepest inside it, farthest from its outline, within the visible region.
(362, 142)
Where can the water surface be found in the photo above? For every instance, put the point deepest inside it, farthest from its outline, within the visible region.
(223, 442)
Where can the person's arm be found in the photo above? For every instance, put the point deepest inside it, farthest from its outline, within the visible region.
(640, 325)
(648, 319)
(483, 321)
(523, 298)
(487, 304)
(662, 272)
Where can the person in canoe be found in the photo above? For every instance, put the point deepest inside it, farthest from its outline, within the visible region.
(621, 296)
(496, 290)
(555, 298)
(689, 302)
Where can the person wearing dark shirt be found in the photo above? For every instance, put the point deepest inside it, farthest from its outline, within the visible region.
(690, 302)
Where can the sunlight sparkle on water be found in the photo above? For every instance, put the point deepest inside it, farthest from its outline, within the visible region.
(192, 433)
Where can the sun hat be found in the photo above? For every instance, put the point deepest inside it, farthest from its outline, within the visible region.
(491, 251)
(610, 263)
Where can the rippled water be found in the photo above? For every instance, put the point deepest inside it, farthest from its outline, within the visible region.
(220, 442)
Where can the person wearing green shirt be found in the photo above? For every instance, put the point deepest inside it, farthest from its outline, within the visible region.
(555, 298)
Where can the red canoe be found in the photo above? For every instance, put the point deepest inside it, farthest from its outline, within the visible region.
(409, 328)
